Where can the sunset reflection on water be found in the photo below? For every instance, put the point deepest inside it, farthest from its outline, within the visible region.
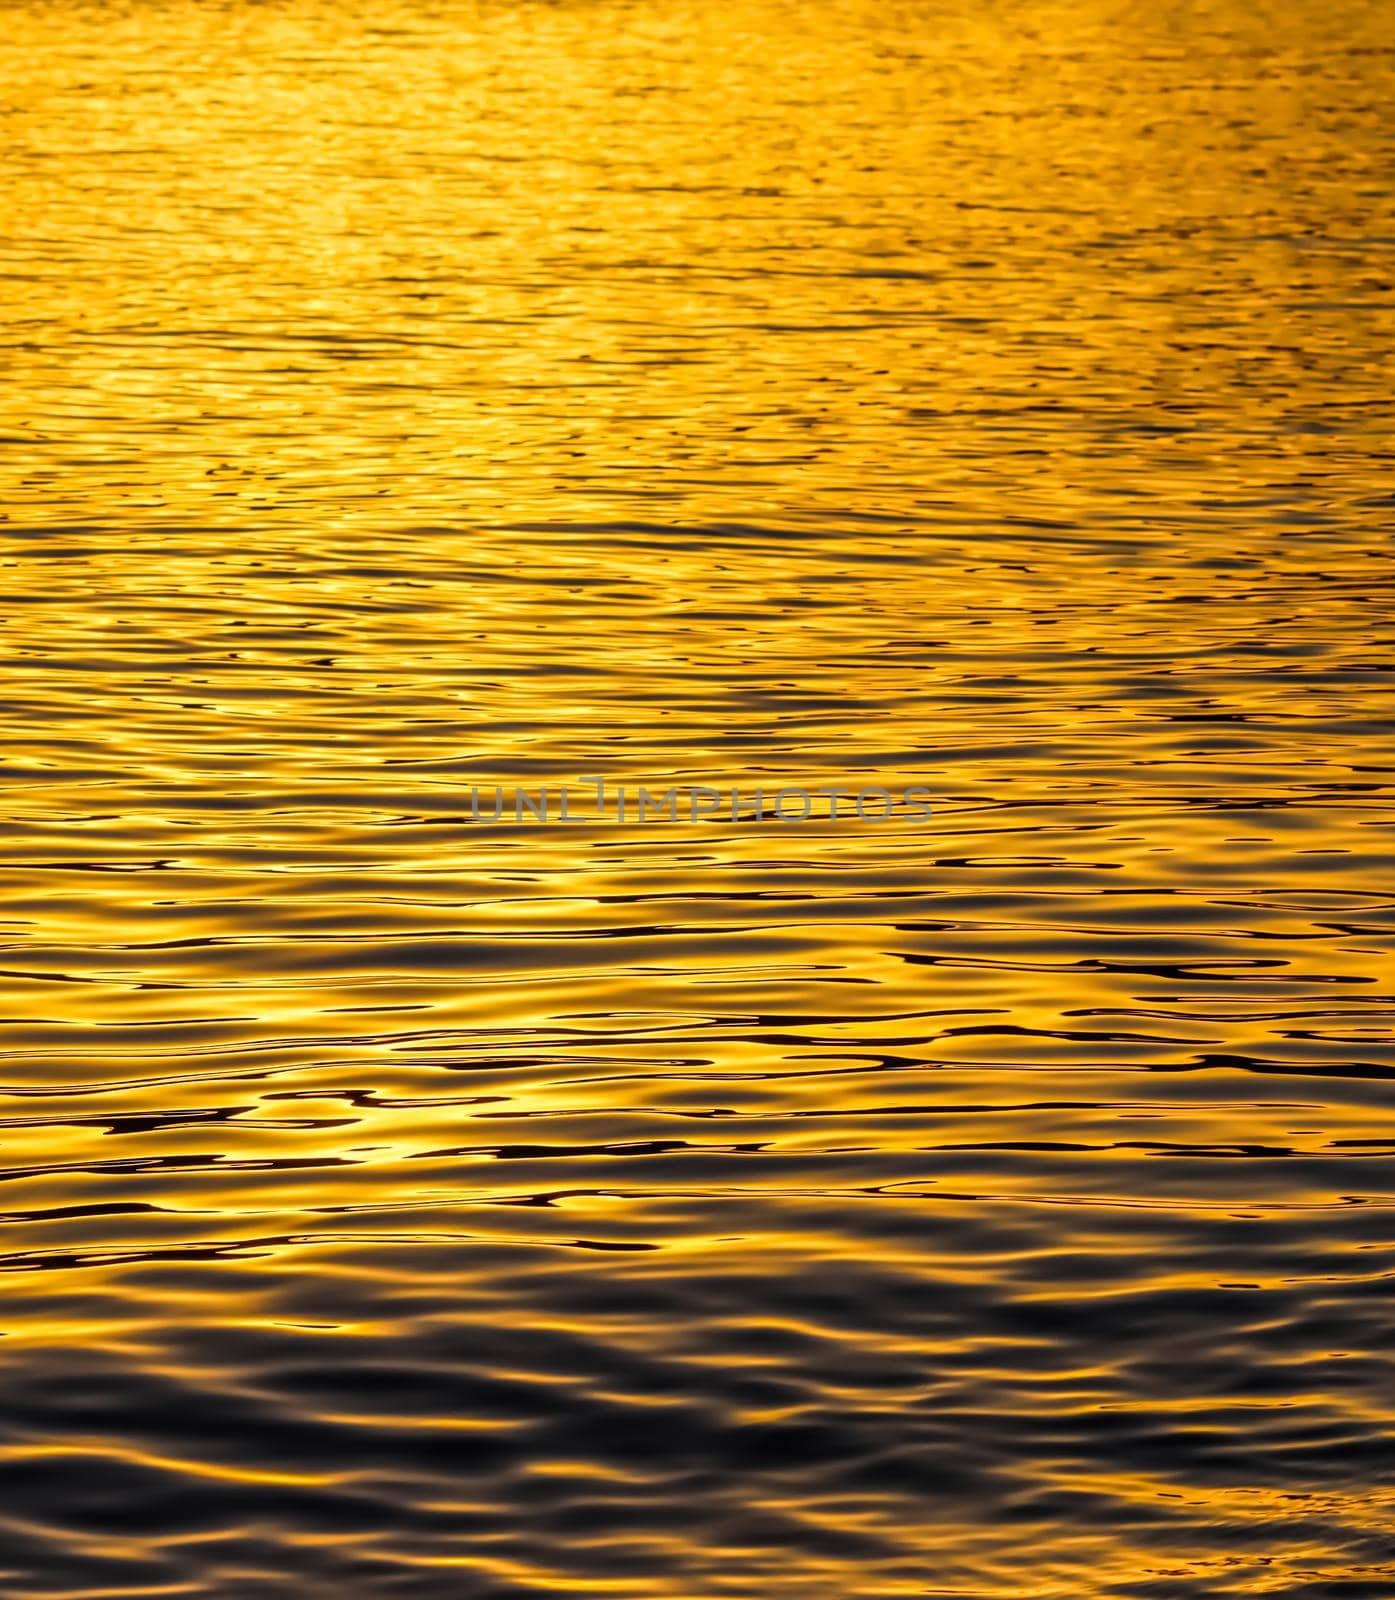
(413, 398)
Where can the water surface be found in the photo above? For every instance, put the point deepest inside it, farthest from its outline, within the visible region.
(416, 396)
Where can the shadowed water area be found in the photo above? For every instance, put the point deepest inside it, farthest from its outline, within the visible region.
(408, 397)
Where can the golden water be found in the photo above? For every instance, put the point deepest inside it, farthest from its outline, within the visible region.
(406, 397)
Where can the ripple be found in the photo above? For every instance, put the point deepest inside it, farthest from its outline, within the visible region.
(985, 1205)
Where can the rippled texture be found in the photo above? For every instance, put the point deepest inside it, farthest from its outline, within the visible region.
(416, 396)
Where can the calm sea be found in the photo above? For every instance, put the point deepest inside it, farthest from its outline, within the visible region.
(408, 397)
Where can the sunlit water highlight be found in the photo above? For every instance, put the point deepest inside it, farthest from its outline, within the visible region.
(993, 398)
